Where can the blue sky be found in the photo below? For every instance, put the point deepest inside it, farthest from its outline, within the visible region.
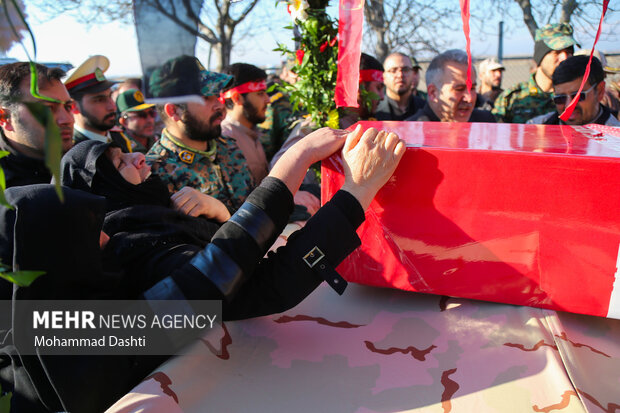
(63, 39)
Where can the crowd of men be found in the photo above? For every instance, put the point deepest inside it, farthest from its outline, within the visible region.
(222, 146)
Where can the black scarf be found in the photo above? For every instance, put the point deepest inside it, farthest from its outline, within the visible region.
(62, 239)
(87, 168)
(148, 238)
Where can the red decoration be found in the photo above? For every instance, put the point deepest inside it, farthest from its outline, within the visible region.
(350, 21)
(299, 54)
(323, 46)
(465, 18)
(534, 223)
(371, 75)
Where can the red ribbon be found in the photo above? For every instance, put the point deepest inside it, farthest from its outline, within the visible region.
(244, 88)
(350, 21)
(371, 75)
(465, 17)
(568, 111)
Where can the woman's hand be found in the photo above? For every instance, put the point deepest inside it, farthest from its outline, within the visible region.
(370, 159)
(292, 166)
(194, 203)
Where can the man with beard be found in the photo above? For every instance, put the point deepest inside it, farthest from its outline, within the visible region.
(191, 152)
(95, 111)
(554, 43)
(490, 72)
(566, 81)
(21, 135)
(448, 97)
(246, 102)
(399, 102)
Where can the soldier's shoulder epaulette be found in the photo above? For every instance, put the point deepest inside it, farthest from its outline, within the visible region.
(515, 88)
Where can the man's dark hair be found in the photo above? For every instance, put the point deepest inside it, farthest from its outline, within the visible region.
(242, 73)
(13, 74)
(367, 62)
(575, 67)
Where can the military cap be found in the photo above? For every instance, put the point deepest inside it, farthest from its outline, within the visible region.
(185, 76)
(89, 78)
(490, 64)
(556, 36)
(600, 56)
(132, 100)
(414, 63)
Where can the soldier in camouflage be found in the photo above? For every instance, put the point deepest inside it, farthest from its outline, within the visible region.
(191, 151)
(280, 114)
(554, 43)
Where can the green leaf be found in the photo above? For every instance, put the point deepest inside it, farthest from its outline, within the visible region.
(53, 141)
(5, 402)
(3, 200)
(22, 278)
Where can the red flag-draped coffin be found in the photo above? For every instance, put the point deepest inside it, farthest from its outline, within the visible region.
(519, 214)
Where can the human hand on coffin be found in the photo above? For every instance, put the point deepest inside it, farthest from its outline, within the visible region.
(292, 166)
(194, 203)
(370, 159)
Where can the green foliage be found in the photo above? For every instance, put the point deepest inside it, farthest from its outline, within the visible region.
(22, 278)
(3, 200)
(317, 69)
(53, 141)
(5, 402)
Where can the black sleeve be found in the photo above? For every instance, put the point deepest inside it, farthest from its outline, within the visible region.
(232, 266)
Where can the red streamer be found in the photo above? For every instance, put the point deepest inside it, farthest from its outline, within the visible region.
(568, 111)
(350, 21)
(465, 17)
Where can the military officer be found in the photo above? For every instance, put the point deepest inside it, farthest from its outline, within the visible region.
(554, 43)
(95, 111)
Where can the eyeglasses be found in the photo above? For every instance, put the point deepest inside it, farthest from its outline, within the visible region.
(561, 99)
(142, 114)
(404, 70)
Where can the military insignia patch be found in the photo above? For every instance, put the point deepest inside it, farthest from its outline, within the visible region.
(99, 75)
(187, 156)
(138, 96)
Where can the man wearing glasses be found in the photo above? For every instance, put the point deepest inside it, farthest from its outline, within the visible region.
(137, 119)
(566, 81)
(400, 102)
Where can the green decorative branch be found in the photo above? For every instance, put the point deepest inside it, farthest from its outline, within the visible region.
(316, 62)
(53, 141)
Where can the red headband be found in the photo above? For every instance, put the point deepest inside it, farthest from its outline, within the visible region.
(244, 88)
(371, 75)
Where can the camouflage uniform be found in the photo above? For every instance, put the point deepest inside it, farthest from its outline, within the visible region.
(221, 172)
(276, 127)
(522, 102)
(526, 100)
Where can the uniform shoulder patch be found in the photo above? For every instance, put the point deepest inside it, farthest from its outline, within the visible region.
(187, 156)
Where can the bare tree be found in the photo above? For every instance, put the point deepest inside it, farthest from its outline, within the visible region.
(413, 26)
(217, 23)
(584, 14)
